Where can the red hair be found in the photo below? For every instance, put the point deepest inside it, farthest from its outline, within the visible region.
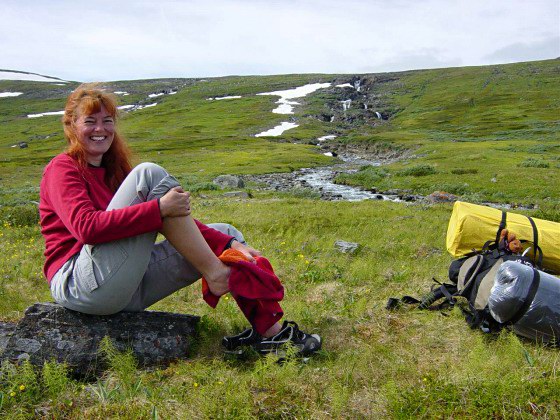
(87, 99)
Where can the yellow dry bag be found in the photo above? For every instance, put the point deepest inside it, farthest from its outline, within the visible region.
(471, 226)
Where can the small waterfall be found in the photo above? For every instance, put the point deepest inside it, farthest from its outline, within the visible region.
(357, 85)
(332, 118)
(378, 115)
(346, 104)
(365, 107)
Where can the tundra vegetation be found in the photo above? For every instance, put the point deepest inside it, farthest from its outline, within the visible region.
(484, 133)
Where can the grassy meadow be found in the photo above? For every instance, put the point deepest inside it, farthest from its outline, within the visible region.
(483, 133)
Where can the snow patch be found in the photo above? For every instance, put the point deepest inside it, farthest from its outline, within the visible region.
(10, 94)
(32, 77)
(346, 104)
(43, 114)
(121, 92)
(219, 98)
(345, 85)
(125, 107)
(147, 106)
(278, 130)
(286, 106)
(329, 154)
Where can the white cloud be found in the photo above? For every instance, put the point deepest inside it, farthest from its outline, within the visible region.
(107, 40)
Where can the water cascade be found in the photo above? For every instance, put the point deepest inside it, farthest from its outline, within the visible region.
(346, 104)
(357, 85)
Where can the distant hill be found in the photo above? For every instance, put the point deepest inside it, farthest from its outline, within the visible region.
(473, 129)
(25, 75)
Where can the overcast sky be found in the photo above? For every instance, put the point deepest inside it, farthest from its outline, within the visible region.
(115, 40)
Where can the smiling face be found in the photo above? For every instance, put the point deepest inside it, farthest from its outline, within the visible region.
(96, 133)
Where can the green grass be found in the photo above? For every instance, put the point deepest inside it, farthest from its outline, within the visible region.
(375, 362)
(476, 132)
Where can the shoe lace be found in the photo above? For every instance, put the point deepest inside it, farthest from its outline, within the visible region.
(296, 332)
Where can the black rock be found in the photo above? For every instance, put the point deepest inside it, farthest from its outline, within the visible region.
(48, 331)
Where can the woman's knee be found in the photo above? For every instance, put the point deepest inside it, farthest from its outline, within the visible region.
(152, 180)
(228, 230)
(151, 168)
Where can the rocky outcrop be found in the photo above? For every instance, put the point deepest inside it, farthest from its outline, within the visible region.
(48, 331)
(229, 181)
(441, 197)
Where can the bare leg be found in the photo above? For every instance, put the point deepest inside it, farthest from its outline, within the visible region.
(186, 238)
(275, 329)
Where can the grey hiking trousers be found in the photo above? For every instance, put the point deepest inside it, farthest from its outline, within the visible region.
(132, 273)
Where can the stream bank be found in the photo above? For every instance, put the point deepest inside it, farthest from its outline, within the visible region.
(321, 180)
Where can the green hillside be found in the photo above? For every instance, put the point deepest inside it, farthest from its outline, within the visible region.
(484, 133)
(478, 128)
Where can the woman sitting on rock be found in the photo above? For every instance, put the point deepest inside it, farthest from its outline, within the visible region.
(100, 218)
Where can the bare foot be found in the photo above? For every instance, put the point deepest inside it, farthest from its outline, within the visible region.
(218, 281)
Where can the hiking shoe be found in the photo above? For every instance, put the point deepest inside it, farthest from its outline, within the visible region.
(305, 344)
(233, 343)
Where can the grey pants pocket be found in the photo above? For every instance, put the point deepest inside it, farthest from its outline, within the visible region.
(97, 264)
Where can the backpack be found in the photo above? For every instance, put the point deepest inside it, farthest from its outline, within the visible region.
(472, 278)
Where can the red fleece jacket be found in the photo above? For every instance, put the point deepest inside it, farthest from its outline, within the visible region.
(255, 288)
(72, 210)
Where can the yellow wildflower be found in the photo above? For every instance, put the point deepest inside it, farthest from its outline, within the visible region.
(22, 387)
(12, 394)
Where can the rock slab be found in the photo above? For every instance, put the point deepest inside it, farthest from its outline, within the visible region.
(48, 331)
(347, 247)
(229, 181)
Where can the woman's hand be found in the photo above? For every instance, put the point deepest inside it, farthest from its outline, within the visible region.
(249, 252)
(175, 203)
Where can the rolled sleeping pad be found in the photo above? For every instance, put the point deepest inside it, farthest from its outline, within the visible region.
(528, 299)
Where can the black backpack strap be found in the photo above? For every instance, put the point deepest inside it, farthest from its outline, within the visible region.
(445, 290)
(449, 294)
(536, 247)
(528, 300)
(502, 226)
(394, 303)
(470, 276)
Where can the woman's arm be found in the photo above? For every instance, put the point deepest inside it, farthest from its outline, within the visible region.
(69, 197)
